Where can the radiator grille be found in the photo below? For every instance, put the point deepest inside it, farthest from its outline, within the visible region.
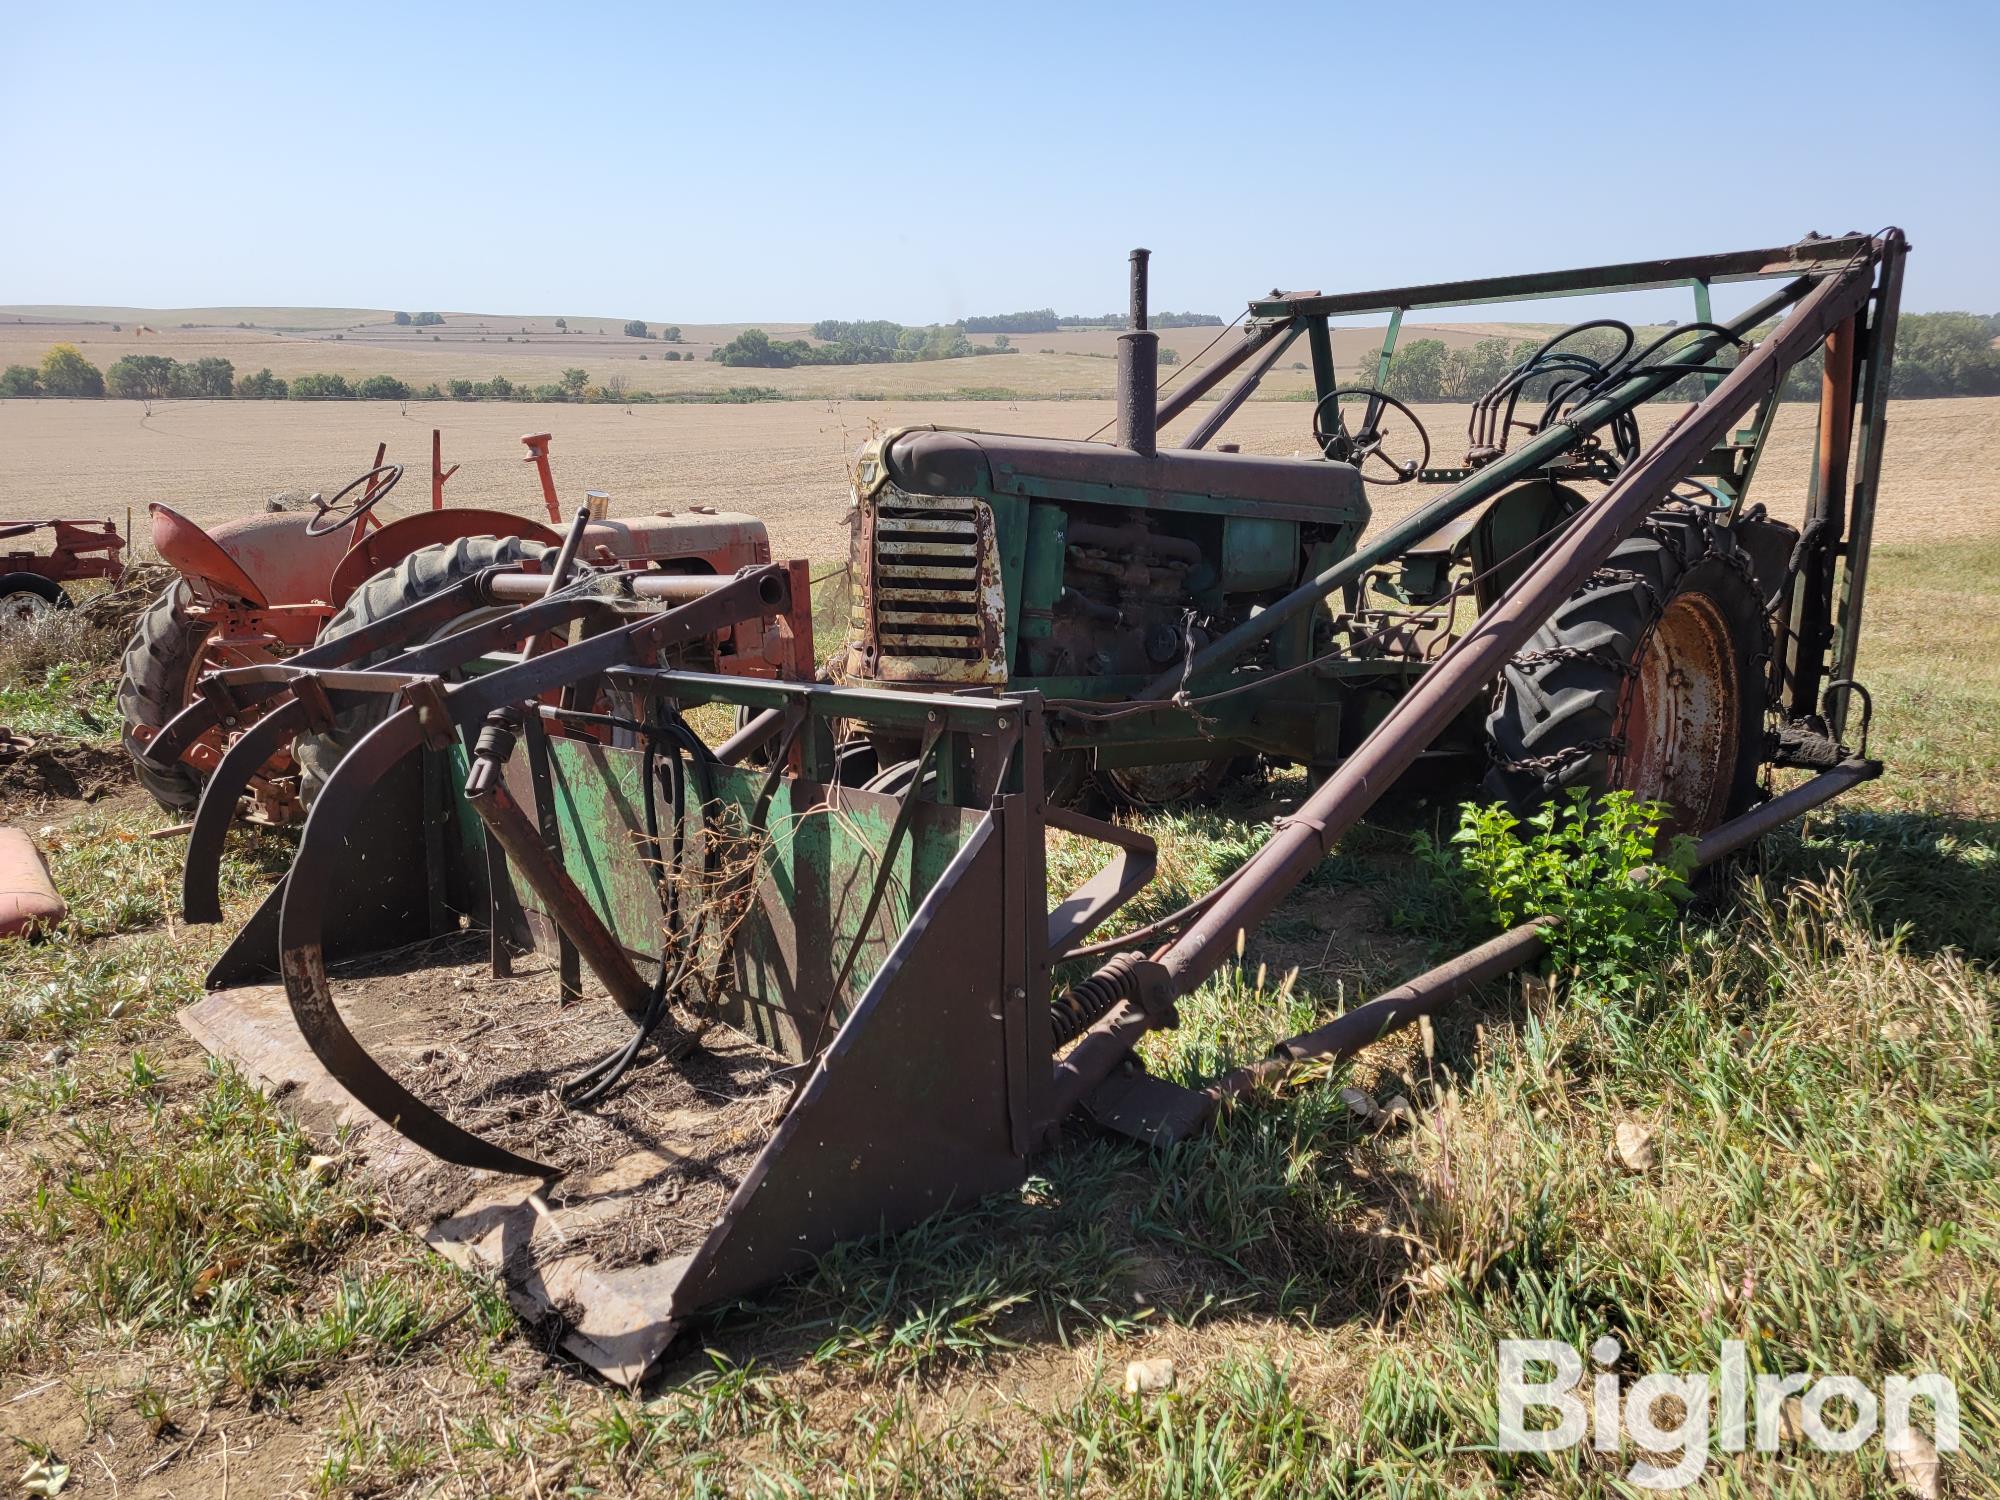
(927, 579)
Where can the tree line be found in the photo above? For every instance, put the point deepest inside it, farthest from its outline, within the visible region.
(1047, 320)
(1937, 354)
(155, 377)
(873, 342)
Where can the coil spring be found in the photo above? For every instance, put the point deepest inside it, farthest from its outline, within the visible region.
(1077, 1008)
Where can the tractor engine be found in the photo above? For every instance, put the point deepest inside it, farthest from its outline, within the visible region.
(1080, 570)
(1090, 573)
(1124, 603)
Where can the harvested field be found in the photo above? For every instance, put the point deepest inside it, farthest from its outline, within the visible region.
(786, 461)
(531, 351)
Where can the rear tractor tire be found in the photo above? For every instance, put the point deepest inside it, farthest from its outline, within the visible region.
(162, 660)
(417, 577)
(1650, 678)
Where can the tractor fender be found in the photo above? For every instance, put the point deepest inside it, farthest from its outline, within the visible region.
(1499, 537)
(386, 546)
(261, 560)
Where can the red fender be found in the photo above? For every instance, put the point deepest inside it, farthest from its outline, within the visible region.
(262, 560)
(388, 545)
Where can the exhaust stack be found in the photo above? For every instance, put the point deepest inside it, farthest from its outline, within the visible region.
(1138, 371)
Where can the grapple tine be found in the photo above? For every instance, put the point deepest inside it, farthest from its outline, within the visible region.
(434, 716)
(302, 960)
(201, 874)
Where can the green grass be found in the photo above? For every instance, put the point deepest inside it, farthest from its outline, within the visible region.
(63, 699)
(1813, 1048)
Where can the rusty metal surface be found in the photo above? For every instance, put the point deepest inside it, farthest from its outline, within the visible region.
(1853, 586)
(929, 592)
(906, 1109)
(1298, 489)
(1255, 340)
(261, 560)
(1130, 870)
(822, 853)
(1679, 715)
(256, 687)
(1462, 498)
(1232, 401)
(1475, 660)
(1409, 728)
(921, 1096)
(376, 891)
(1137, 392)
(1806, 257)
(388, 545)
(568, 907)
(1810, 626)
(266, 585)
(303, 927)
(77, 550)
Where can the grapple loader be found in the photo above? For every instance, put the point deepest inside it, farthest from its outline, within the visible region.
(830, 929)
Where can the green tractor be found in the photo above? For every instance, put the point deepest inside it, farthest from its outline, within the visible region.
(1185, 612)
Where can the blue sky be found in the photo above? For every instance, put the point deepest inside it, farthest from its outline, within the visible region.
(726, 162)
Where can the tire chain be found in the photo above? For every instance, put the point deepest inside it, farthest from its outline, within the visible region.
(1548, 768)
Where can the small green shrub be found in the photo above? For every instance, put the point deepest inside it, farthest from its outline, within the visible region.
(1594, 867)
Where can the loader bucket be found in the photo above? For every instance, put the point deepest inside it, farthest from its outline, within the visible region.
(877, 1057)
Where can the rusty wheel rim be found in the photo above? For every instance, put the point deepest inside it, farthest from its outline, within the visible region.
(1163, 785)
(24, 607)
(1680, 716)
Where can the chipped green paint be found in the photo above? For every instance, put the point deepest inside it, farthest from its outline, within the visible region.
(823, 851)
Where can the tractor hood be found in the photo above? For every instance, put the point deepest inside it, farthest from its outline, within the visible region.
(939, 461)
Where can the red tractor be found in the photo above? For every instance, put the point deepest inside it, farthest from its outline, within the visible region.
(31, 584)
(265, 587)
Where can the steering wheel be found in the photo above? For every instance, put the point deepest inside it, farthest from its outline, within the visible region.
(334, 514)
(1365, 443)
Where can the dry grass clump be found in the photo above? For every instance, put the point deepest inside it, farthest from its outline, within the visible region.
(80, 639)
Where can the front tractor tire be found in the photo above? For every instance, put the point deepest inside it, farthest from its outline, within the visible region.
(161, 662)
(423, 573)
(1650, 678)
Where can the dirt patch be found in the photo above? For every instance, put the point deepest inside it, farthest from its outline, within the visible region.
(37, 772)
(494, 1055)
